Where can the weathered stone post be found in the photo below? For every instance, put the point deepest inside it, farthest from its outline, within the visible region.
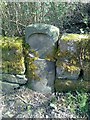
(42, 39)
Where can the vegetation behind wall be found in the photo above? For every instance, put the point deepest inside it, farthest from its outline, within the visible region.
(68, 17)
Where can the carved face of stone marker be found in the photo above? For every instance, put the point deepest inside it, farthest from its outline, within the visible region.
(41, 43)
(42, 38)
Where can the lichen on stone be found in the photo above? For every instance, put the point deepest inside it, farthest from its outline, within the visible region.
(12, 55)
(52, 56)
(29, 62)
(75, 37)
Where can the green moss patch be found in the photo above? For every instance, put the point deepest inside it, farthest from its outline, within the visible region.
(53, 55)
(75, 37)
(12, 55)
(76, 53)
(68, 85)
(29, 62)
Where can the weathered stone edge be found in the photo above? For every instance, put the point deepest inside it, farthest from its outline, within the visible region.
(50, 30)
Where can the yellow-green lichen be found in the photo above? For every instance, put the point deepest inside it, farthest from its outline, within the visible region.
(75, 37)
(68, 67)
(52, 56)
(12, 55)
(72, 60)
(31, 67)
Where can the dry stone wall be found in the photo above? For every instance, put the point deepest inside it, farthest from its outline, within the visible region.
(45, 62)
(12, 67)
(68, 59)
(73, 63)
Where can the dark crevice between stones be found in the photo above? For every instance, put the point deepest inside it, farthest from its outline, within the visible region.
(81, 74)
(56, 45)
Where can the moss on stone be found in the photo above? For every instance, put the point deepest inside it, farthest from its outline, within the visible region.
(51, 56)
(12, 55)
(29, 61)
(82, 43)
(68, 85)
(74, 59)
(75, 37)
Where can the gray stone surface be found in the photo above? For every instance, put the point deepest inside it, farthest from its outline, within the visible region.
(67, 67)
(7, 87)
(74, 55)
(46, 74)
(18, 79)
(63, 74)
(69, 46)
(42, 38)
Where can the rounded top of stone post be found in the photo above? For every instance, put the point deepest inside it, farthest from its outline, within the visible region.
(50, 30)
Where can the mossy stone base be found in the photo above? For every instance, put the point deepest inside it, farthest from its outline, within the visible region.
(68, 85)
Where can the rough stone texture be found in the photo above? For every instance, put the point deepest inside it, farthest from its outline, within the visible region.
(18, 79)
(12, 55)
(62, 73)
(72, 48)
(42, 38)
(46, 76)
(6, 87)
(67, 65)
(67, 45)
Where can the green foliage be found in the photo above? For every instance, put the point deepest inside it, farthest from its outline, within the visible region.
(53, 100)
(12, 55)
(64, 15)
(29, 108)
(77, 102)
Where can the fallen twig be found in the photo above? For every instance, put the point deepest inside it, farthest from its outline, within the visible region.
(22, 99)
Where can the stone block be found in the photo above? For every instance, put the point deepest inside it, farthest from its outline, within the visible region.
(18, 79)
(73, 51)
(44, 82)
(6, 87)
(64, 73)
